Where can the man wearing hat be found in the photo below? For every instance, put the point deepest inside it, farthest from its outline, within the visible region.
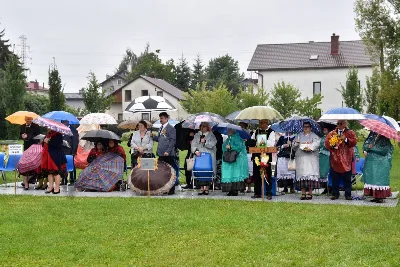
(28, 131)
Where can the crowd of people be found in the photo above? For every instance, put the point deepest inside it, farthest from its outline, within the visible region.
(315, 158)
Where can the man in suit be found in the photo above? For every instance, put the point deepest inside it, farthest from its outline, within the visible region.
(166, 143)
(28, 131)
(341, 159)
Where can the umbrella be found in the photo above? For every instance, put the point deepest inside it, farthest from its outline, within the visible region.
(381, 128)
(149, 104)
(102, 174)
(31, 159)
(393, 122)
(231, 117)
(379, 118)
(342, 114)
(98, 135)
(223, 128)
(194, 121)
(259, 113)
(53, 125)
(98, 118)
(131, 124)
(61, 116)
(19, 117)
(276, 128)
(295, 124)
(161, 180)
(157, 124)
(39, 137)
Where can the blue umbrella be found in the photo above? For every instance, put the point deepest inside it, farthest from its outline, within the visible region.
(295, 125)
(61, 116)
(222, 128)
(342, 114)
(379, 118)
(277, 128)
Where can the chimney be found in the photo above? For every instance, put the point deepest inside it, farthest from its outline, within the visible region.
(334, 44)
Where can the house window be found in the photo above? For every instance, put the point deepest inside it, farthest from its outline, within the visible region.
(146, 116)
(159, 93)
(119, 81)
(145, 92)
(128, 95)
(316, 88)
(120, 117)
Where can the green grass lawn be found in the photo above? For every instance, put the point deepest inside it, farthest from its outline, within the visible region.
(67, 231)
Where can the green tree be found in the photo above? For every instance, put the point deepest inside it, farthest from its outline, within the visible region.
(182, 74)
(224, 70)
(198, 76)
(4, 50)
(3, 113)
(37, 103)
(284, 98)
(389, 96)
(372, 91)
(56, 94)
(128, 62)
(310, 106)
(377, 24)
(248, 98)
(217, 100)
(94, 97)
(352, 93)
(14, 89)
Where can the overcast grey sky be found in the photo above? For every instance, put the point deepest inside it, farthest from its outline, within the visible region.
(93, 35)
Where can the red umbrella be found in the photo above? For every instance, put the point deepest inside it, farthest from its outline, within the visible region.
(381, 128)
(31, 159)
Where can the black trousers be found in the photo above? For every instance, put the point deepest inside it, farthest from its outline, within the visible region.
(258, 182)
(336, 177)
(170, 160)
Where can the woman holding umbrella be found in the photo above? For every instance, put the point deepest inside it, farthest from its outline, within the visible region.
(53, 160)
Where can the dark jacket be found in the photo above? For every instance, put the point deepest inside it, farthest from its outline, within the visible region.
(32, 131)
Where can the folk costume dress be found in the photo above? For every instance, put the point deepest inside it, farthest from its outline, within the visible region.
(378, 164)
(234, 173)
(307, 163)
(283, 160)
(53, 159)
(324, 164)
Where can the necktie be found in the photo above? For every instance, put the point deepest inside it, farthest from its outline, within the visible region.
(340, 133)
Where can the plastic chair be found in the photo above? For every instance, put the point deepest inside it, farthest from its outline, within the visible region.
(11, 165)
(70, 163)
(203, 169)
(2, 155)
(359, 171)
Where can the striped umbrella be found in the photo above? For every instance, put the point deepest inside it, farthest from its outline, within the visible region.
(53, 125)
(379, 118)
(381, 128)
(102, 174)
(342, 114)
(393, 122)
(31, 159)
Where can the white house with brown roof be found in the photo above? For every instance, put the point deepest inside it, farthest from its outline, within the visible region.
(313, 67)
(144, 86)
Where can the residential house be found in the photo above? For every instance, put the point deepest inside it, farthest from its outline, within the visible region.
(144, 86)
(114, 82)
(34, 87)
(75, 100)
(313, 67)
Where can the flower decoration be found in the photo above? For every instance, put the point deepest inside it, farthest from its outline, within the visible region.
(263, 163)
(335, 141)
(164, 132)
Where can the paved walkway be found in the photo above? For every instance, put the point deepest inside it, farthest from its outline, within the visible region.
(358, 200)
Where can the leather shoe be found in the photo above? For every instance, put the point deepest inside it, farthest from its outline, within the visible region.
(256, 196)
(269, 197)
(334, 197)
(349, 198)
(187, 187)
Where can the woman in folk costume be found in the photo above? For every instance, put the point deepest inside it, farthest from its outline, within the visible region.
(205, 141)
(53, 160)
(378, 152)
(284, 176)
(115, 148)
(95, 152)
(234, 173)
(307, 161)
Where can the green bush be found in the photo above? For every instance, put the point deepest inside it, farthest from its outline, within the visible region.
(125, 136)
(362, 134)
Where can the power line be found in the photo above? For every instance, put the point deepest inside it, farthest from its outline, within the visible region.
(24, 53)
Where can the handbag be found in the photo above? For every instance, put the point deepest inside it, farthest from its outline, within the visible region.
(190, 163)
(292, 162)
(230, 156)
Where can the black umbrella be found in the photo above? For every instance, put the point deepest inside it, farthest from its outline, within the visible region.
(100, 135)
(183, 136)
